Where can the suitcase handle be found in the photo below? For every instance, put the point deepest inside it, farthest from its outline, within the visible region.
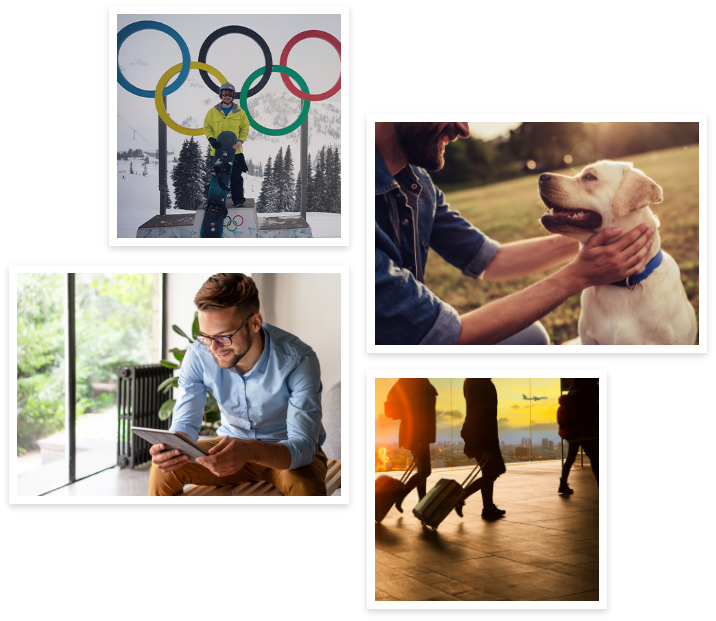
(475, 471)
(406, 474)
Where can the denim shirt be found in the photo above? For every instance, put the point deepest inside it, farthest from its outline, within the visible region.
(411, 215)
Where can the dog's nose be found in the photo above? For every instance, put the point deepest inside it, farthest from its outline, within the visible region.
(544, 177)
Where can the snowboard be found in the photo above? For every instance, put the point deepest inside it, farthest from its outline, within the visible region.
(216, 211)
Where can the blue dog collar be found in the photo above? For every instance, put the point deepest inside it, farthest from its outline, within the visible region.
(630, 282)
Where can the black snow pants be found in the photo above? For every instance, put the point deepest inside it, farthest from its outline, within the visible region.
(237, 181)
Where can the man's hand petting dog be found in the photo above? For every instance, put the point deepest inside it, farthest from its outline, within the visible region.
(225, 458)
(600, 264)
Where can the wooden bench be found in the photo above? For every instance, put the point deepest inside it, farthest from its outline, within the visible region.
(264, 488)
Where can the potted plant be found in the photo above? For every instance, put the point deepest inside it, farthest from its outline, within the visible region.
(212, 415)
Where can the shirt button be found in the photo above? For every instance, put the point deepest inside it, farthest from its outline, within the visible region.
(413, 186)
(410, 269)
(405, 222)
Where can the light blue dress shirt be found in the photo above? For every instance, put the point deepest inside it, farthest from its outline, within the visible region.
(278, 400)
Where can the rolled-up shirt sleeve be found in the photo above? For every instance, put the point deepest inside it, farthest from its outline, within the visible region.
(191, 397)
(303, 417)
(459, 242)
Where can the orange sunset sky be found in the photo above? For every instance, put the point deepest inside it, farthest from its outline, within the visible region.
(513, 410)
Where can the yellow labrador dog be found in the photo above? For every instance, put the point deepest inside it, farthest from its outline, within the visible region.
(649, 308)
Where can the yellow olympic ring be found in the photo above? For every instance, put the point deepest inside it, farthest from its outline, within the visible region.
(159, 103)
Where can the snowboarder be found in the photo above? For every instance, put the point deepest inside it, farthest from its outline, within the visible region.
(227, 116)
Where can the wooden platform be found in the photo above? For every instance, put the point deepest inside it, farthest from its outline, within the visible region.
(263, 488)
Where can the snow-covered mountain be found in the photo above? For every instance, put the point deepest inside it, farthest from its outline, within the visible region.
(268, 109)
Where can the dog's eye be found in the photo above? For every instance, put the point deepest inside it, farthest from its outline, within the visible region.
(589, 177)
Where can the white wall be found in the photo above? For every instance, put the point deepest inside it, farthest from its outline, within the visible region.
(307, 305)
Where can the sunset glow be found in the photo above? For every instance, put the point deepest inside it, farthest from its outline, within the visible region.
(516, 415)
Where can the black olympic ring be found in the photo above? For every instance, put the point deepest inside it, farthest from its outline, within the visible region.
(217, 34)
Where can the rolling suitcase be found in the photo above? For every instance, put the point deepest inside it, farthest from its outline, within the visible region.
(387, 490)
(443, 498)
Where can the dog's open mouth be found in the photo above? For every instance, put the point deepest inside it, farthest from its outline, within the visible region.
(561, 216)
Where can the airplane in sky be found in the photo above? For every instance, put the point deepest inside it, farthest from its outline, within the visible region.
(532, 398)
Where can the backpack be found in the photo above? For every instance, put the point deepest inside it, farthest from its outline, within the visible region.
(576, 415)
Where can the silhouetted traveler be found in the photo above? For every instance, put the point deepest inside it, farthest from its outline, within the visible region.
(481, 440)
(578, 418)
(415, 398)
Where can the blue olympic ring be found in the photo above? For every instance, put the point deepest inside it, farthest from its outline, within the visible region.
(127, 31)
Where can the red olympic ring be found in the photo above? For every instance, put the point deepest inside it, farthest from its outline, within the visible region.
(310, 34)
(233, 220)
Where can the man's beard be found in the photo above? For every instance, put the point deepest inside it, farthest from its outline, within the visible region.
(421, 145)
(232, 361)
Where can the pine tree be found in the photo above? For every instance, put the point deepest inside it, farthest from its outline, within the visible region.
(265, 195)
(309, 186)
(188, 176)
(287, 197)
(208, 163)
(276, 181)
(297, 193)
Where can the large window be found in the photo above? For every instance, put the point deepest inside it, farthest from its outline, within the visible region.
(526, 422)
(112, 320)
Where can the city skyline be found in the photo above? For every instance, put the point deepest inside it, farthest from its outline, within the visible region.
(514, 413)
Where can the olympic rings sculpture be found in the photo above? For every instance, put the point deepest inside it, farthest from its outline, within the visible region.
(247, 90)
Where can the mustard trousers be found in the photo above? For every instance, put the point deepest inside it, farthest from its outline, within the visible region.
(306, 481)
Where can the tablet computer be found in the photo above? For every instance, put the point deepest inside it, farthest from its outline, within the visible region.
(171, 440)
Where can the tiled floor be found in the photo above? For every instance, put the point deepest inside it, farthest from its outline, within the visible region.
(545, 548)
(112, 482)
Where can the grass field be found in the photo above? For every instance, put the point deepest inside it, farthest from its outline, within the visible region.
(510, 211)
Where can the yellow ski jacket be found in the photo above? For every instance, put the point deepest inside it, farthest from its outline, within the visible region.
(236, 121)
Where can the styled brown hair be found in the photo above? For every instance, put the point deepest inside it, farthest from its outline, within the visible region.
(227, 290)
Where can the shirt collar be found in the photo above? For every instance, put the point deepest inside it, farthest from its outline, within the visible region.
(384, 181)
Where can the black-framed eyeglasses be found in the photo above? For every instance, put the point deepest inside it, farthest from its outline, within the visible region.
(224, 341)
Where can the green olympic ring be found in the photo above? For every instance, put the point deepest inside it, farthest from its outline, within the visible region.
(305, 107)
(233, 220)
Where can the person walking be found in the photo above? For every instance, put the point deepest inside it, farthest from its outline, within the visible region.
(228, 117)
(482, 441)
(414, 399)
(578, 419)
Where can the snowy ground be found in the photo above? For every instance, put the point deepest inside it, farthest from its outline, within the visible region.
(138, 200)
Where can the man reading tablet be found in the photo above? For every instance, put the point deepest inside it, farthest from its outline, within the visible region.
(268, 386)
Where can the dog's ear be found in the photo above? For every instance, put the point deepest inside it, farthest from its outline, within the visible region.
(635, 191)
